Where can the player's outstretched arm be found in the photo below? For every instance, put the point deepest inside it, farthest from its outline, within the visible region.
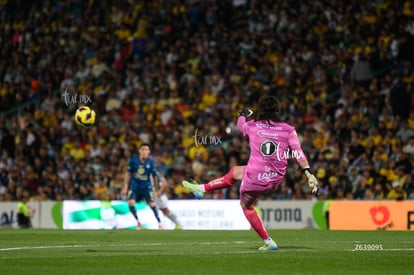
(301, 159)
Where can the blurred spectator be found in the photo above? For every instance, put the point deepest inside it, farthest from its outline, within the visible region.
(404, 132)
(396, 193)
(409, 147)
(361, 72)
(400, 99)
(101, 190)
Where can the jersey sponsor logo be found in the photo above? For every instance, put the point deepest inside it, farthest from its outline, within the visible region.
(267, 174)
(141, 170)
(264, 133)
(267, 126)
(140, 173)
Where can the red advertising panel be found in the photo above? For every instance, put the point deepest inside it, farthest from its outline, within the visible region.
(371, 215)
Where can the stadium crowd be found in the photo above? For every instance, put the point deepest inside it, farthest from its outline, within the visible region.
(176, 73)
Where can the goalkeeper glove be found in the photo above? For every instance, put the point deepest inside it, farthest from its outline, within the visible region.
(246, 112)
(312, 181)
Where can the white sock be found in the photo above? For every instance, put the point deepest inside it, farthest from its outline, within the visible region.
(267, 240)
(173, 218)
(201, 188)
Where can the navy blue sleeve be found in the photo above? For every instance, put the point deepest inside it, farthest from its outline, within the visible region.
(131, 165)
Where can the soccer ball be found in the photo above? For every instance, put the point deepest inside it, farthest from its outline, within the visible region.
(85, 116)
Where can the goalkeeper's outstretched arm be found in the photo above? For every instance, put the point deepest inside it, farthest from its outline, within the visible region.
(303, 161)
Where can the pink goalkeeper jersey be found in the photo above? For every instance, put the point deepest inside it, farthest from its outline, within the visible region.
(271, 145)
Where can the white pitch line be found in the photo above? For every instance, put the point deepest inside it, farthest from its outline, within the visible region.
(112, 245)
(39, 247)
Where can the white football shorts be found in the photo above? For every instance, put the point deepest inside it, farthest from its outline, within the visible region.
(162, 201)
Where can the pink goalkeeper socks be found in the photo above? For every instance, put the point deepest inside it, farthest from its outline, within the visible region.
(256, 222)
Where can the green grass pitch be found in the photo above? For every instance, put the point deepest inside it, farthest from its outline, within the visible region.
(36, 251)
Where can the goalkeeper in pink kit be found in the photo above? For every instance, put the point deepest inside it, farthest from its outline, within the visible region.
(272, 142)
